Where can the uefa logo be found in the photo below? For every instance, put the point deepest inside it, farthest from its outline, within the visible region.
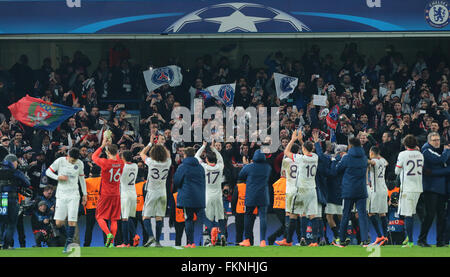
(163, 75)
(437, 13)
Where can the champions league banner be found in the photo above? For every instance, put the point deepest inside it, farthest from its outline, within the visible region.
(210, 17)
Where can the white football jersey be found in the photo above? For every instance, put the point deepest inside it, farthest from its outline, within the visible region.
(306, 170)
(157, 175)
(290, 168)
(377, 175)
(409, 167)
(213, 174)
(62, 167)
(128, 177)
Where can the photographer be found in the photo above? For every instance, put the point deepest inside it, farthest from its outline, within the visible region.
(12, 181)
(396, 224)
(40, 223)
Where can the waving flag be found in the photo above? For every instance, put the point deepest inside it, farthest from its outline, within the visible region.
(37, 113)
(224, 93)
(156, 77)
(332, 117)
(284, 85)
(204, 93)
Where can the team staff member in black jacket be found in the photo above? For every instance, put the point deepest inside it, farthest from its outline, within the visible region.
(11, 180)
(434, 190)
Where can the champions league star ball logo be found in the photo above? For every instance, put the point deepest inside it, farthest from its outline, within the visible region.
(437, 13)
(226, 95)
(285, 84)
(162, 75)
(237, 17)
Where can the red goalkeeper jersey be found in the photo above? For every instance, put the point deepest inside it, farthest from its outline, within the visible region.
(111, 171)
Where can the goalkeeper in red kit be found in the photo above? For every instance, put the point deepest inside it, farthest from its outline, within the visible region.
(108, 206)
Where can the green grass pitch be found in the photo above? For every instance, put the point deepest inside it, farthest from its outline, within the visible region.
(234, 251)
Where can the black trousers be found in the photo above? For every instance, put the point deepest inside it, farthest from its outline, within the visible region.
(9, 222)
(21, 231)
(90, 223)
(396, 238)
(281, 216)
(434, 207)
(239, 223)
(179, 229)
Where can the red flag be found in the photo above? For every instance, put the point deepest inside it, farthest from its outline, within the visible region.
(35, 112)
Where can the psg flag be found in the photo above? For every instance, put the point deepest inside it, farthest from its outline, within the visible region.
(224, 93)
(156, 77)
(37, 113)
(332, 117)
(284, 85)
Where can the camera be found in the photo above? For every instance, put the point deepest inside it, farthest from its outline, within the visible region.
(154, 119)
(226, 192)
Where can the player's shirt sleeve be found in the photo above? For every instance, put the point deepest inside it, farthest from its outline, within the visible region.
(199, 153)
(52, 169)
(148, 161)
(219, 158)
(96, 158)
(81, 178)
(284, 167)
(399, 165)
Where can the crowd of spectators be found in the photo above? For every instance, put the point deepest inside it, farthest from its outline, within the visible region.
(380, 102)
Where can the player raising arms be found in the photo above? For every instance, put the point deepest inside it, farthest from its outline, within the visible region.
(128, 199)
(108, 206)
(378, 205)
(290, 169)
(213, 179)
(69, 169)
(409, 167)
(304, 201)
(155, 203)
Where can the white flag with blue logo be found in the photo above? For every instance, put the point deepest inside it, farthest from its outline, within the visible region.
(284, 85)
(224, 93)
(156, 77)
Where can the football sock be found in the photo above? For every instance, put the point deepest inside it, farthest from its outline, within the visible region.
(335, 231)
(376, 224)
(315, 226)
(303, 226)
(291, 227)
(125, 232)
(114, 227)
(286, 226)
(321, 228)
(131, 228)
(148, 227)
(159, 226)
(70, 231)
(409, 223)
(208, 224)
(384, 225)
(297, 229)
(221, 227)
(103, 226)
